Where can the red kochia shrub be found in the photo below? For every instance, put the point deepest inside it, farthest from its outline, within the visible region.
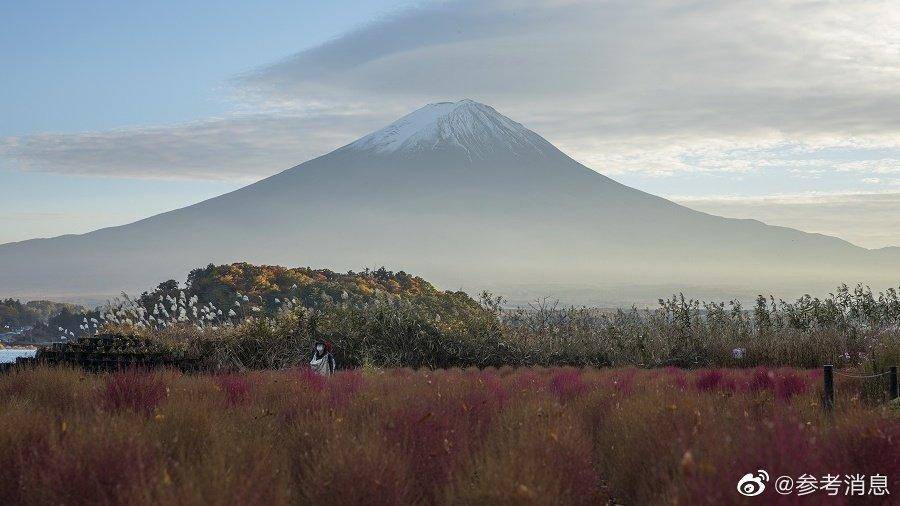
(311, 379)
(482, 398)
(867, 446)
(709, 380)
(623, 380)
(354, 471)
(24, 442)
(567, 384)
(568, 451)
(443, 416)
(782, 445)
(537, 454)
(524, 436)
(343, 386)
(139, 391)
(761, 379)
(486, 388)
(97, 468)
(679, 377)
(236, 388)
(789, 385)
(528, 380)
(430, 435)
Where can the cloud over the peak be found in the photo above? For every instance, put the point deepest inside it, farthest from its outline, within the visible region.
(658, 87)
(623, 67)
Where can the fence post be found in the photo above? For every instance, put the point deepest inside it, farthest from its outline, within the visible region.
(894, 393)
(828, 397)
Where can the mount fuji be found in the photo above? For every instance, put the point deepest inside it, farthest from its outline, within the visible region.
(462, 195)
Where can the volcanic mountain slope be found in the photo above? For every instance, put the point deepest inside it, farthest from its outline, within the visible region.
(458, 193)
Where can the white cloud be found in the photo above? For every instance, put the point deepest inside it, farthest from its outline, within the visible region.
(238, 147)
(659, 87)
(623, 67)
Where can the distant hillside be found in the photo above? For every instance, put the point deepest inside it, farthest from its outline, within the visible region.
(15, 313)
(272, 285)
(225, 294)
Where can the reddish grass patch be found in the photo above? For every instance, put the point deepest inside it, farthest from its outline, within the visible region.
(761, 379)
(567, 384)
(236, 388)
(311, 379)
(789, 385)
(135, 390)
(512, 436)
(709, 380)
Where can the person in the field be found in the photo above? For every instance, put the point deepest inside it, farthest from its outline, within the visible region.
(322, 360)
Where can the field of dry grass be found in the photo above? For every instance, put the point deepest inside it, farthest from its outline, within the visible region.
(397, 436)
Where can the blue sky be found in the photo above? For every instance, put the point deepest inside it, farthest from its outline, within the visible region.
(101, 65)
(96, 65)
(114, 111)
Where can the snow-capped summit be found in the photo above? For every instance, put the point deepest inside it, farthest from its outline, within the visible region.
(473, 127)
(466, 197)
